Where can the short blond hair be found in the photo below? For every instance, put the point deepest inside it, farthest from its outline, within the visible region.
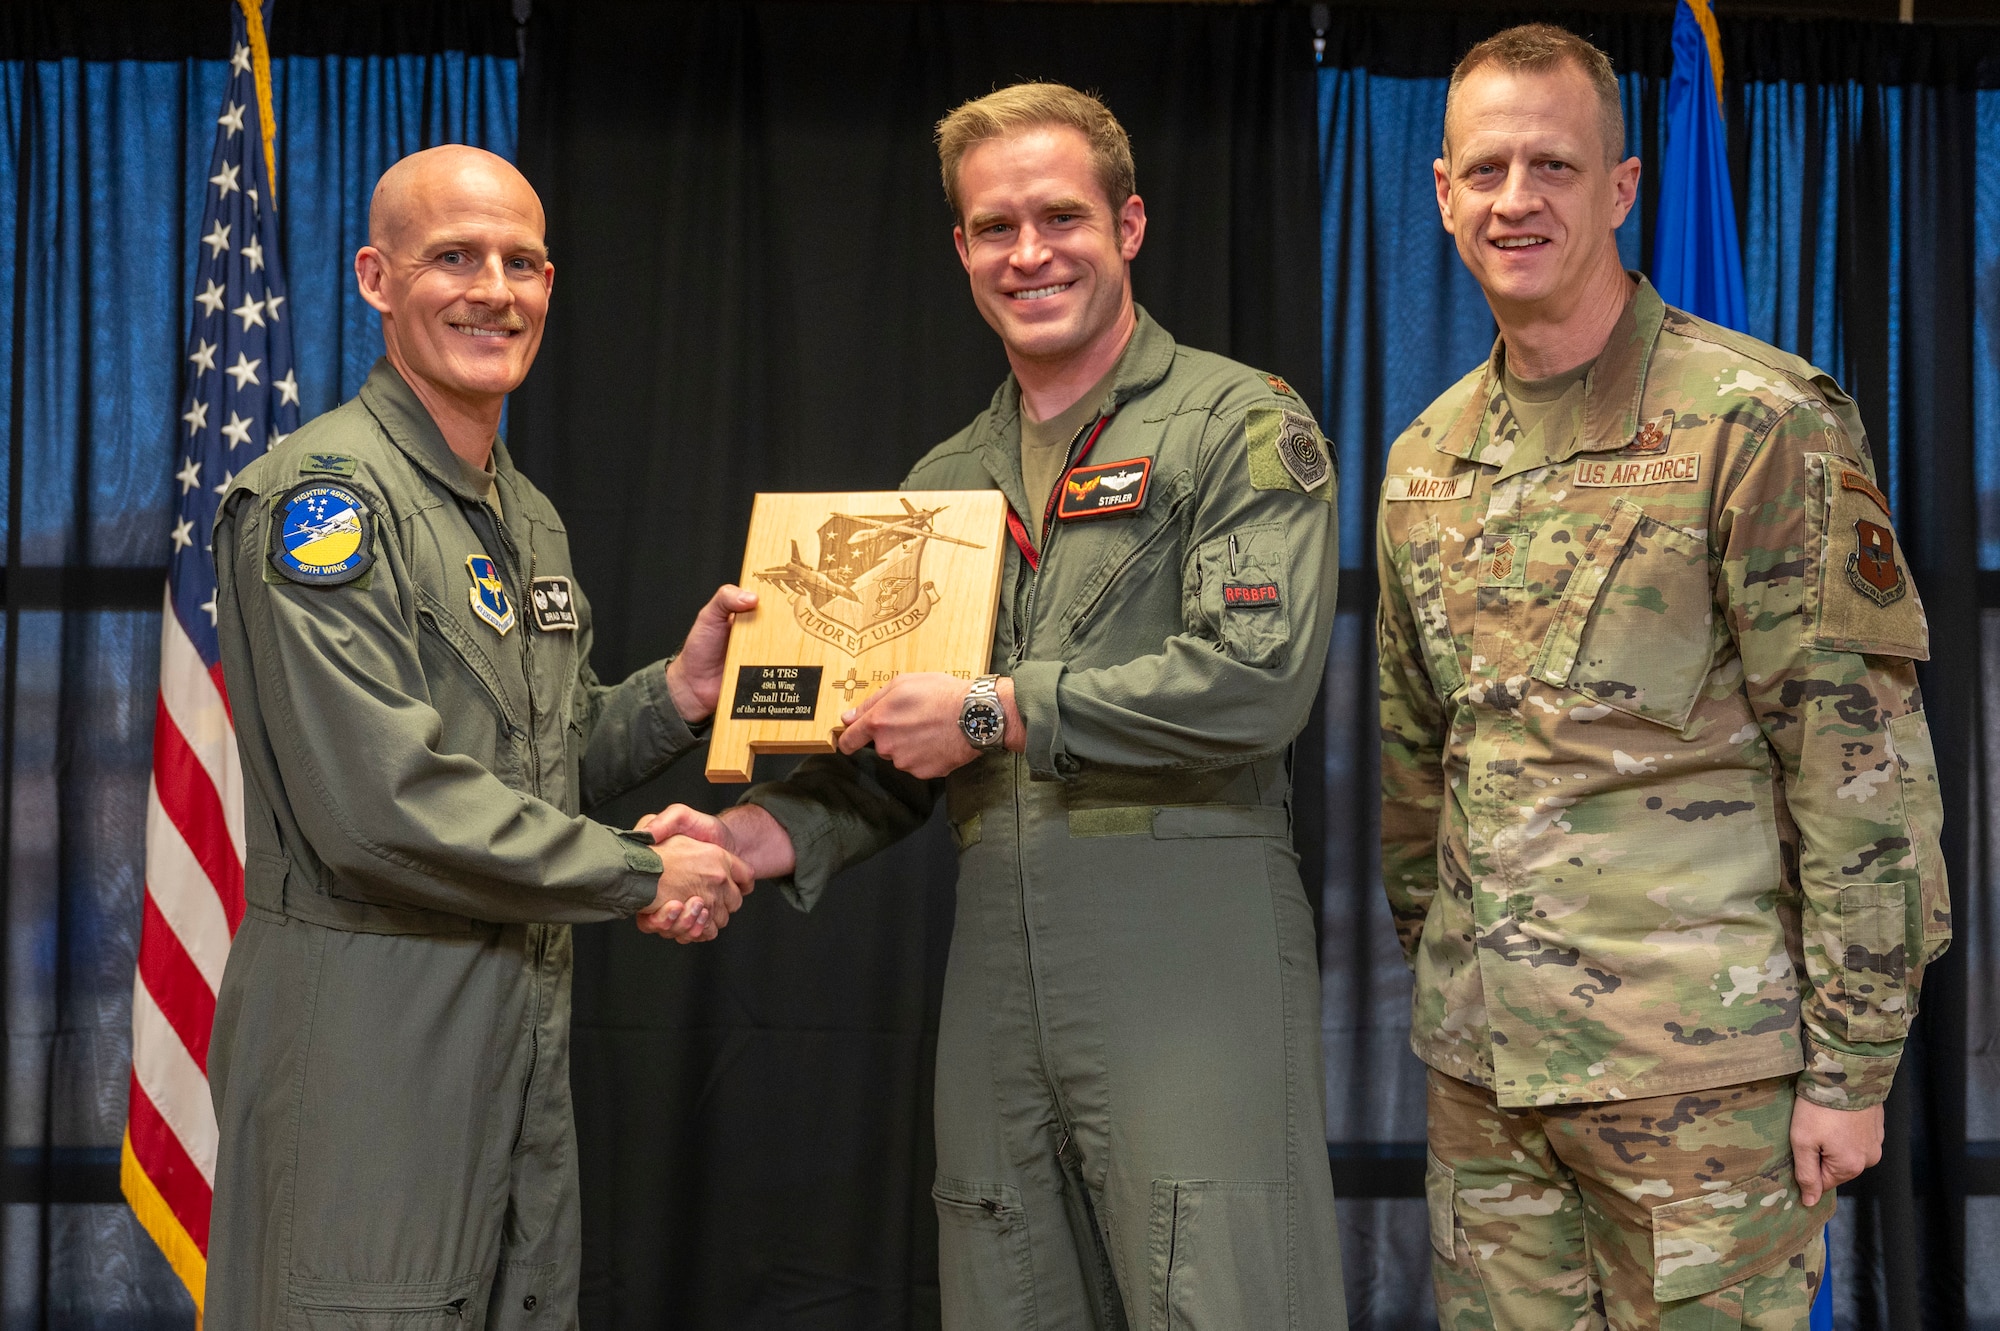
(1539, 48)
(1026, 106)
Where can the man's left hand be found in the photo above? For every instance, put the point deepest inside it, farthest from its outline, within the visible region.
(694, 676)
(1831, 1146)
(913, 722)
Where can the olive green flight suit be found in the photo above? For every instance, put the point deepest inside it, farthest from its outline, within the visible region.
(1130, 1102)
(390, 1059)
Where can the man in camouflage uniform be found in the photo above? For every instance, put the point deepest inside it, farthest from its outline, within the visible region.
(1660, 815)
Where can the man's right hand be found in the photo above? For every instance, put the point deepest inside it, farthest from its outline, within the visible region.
(701, 885)
(747, 831)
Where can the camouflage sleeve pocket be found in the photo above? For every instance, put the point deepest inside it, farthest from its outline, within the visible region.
(1873, 961)
(1863, 598)
(1636, 629)
(1243, 589)
(1923, 824)
(1423, 581)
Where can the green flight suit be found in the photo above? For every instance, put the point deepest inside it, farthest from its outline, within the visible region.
(1130, 1097)
(390, 1060)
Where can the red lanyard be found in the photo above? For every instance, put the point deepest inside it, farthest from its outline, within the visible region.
(1019, 529)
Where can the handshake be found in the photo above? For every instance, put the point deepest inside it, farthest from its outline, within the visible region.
(711, 864)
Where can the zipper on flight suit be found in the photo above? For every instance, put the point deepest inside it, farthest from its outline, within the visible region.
(540, 951)
(1025, 616)
(521, 610)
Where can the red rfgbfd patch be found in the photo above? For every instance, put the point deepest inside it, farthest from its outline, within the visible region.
(1251, 595)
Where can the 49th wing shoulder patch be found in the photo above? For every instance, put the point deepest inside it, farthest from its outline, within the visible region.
(321, 535)
(1866, 602)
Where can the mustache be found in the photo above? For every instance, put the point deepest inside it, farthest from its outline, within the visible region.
(510, 321)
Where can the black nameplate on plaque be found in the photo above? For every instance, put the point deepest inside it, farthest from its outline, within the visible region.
(776, 693)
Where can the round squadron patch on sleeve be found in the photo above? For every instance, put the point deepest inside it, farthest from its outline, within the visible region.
(321, 535)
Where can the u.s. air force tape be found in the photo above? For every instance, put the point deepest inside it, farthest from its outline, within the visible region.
(321, 535)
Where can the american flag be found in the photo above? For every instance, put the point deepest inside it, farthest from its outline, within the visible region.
(240, 397)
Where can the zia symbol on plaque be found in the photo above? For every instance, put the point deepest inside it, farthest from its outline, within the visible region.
(867, 587)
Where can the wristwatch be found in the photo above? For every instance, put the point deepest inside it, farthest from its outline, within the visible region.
(981, 717)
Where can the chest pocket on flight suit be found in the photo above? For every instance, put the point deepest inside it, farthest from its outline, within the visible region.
(1636, 628)
(467, 693)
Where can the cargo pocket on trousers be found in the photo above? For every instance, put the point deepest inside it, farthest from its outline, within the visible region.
(1716, 1240)
(355, 1305)
(1874, 958)
(985, 1272)
(1439, 1184)
(1218, 1255)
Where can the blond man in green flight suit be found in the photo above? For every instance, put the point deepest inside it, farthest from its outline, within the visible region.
(1130, 1122)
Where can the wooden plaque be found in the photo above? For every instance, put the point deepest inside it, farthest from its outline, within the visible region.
(854, 589)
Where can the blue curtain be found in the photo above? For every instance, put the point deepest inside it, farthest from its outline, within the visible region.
(1853, 151)
(1986, 359)
(102, 166)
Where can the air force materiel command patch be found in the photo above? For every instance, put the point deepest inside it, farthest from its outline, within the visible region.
(1105, 490)
(553, 604)
(322, 536)
(489, 594)
(1299, 450)
(1286, 452)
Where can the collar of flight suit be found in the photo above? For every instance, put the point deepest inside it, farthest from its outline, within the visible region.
(1143, 364)
(395, 405)
(1612, 392)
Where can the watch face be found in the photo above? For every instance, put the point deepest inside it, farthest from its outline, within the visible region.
(984, 724)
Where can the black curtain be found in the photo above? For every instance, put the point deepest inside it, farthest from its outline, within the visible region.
(756, 290)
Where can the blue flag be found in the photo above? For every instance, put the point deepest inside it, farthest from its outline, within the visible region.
(1697, 260)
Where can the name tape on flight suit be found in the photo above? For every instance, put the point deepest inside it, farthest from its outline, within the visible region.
(1105, 490)
(553, 602)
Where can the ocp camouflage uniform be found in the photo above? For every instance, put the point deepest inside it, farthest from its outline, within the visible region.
(1660, 812)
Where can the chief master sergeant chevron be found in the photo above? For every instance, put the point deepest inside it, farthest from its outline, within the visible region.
(408, 664)
(1660, 818)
